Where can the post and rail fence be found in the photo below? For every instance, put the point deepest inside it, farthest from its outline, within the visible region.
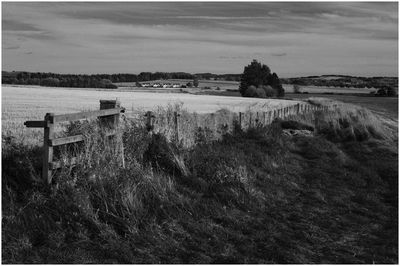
(109, 114)
(261, 118)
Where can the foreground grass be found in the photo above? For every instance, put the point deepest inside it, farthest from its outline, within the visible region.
(258, 196)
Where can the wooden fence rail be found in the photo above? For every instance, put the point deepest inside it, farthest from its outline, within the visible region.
(109, 116)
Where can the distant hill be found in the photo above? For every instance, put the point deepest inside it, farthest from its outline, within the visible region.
(343, 81)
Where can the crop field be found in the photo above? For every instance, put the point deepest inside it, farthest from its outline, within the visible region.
(324, 89)
(21, 103)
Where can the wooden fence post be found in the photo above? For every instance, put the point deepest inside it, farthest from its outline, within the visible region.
(176, 122)
(265, 118)
(271, 116)
(256, 120)
(240, 120)
(150, 121)
(47, 149)
(112, 121)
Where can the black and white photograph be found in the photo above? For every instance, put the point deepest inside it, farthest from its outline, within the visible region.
(199, 132)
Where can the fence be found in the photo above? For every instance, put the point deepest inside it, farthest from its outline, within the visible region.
(109, 112)
(174, 125)
(182, 127)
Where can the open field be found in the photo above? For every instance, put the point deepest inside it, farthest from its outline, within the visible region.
(32, 103)
(386, 106)
(324, 89)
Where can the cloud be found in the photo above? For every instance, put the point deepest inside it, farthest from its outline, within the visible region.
(166, 36)
(13, 25)
(278, 54)
(13, 47)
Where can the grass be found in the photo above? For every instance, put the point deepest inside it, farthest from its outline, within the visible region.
(247, 196)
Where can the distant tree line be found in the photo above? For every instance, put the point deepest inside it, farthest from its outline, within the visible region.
(101, 80)
(85, 81)
(344, 81)
(210, 76)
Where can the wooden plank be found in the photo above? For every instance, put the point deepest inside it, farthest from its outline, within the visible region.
(47, 150)
(86, 115)
(65, 140)
(58, 164)
(73, 139)
(35, 124)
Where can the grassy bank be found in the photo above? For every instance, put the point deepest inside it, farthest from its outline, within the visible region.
(266, 195)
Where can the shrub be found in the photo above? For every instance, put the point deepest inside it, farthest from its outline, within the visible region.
(391, 92)
(260, 93)
(250, 92)
(269, 91)
(296, 89)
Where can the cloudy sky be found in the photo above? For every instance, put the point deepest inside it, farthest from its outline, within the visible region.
(293, 39)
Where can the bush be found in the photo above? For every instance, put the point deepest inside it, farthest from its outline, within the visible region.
(260, 93)
(269, 91)
(296, 89)
(391, 92)
(250, 92)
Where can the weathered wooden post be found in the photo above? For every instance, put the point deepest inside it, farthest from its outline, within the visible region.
(150, 121)
(257, 119)
(265, 118)
(240, 120)
(176, 123)
(47, 170)
(112, 122)
(250, 118)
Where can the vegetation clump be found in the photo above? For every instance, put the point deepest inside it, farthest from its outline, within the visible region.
(258, 81)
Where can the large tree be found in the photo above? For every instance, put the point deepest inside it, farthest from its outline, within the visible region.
(259, 76)
(254, 74)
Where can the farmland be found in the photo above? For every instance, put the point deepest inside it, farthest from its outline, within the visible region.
(385, 106)
(326, 89)
(32, 103)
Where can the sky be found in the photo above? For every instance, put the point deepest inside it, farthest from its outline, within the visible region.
(292, 38)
